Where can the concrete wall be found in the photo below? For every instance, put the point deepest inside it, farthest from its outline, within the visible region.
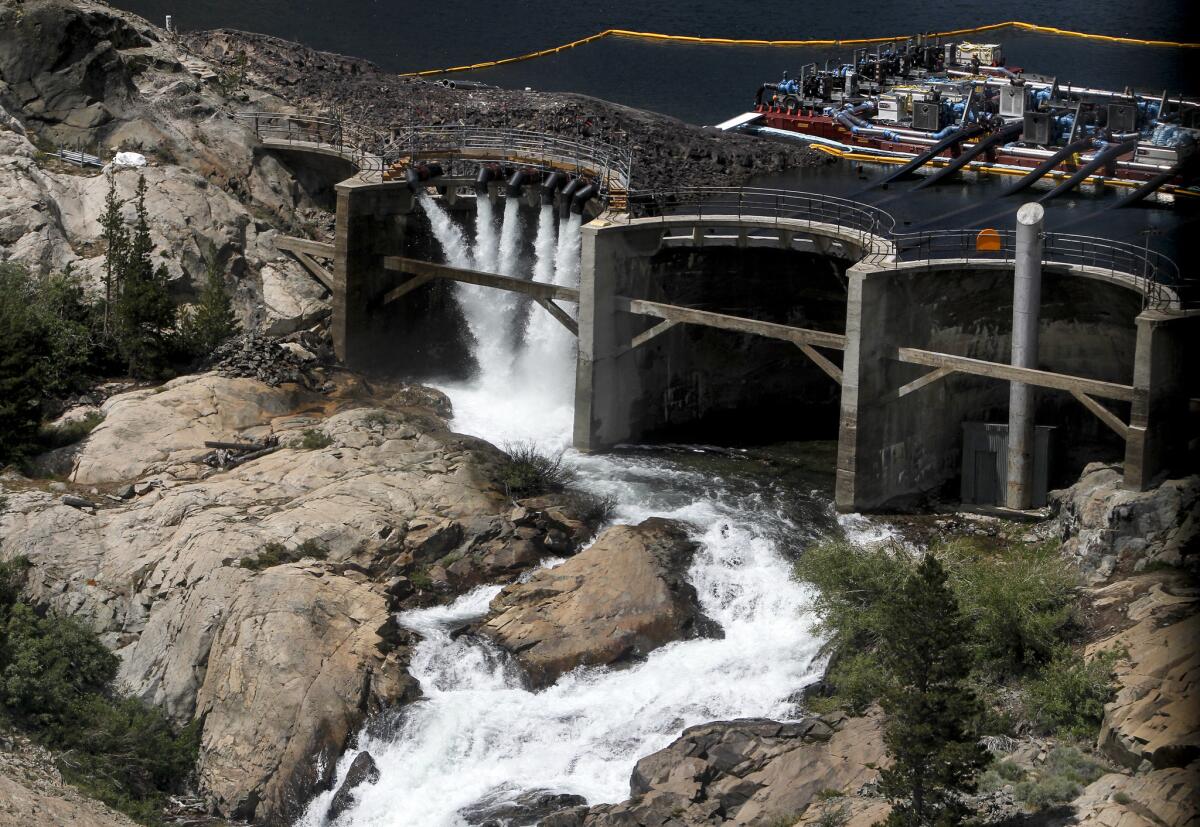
(894, 449)
(694, 382)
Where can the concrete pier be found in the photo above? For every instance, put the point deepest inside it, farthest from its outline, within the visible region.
(1027, 301)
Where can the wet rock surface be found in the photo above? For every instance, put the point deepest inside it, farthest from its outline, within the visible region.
(749, 772)
(362, 771)
(618, 600)
(530, 807)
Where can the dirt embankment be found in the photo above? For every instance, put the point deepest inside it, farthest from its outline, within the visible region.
(667, 152)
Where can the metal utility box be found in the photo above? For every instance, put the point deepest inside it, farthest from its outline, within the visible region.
(892, 109)
(1122, 117)
(951, 54)
(1014, 100)
(988, 54)
(1039, 127)
(985, 463)
(927, 115)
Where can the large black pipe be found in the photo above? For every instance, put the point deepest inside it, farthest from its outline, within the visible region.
(758, 96)
(516, 182)
(568, 192)
(487, 174)
(1184, 170)
(1105, 156)
(551, 185)
(905, 171)
(583, 196)
(1050, 163)
(1002, 134)
(419, 175)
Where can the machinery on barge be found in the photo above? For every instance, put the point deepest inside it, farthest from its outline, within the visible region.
(938, 109)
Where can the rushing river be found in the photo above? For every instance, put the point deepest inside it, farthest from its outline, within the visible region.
(478, 734)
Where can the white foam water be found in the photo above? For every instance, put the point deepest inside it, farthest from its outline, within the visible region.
(486, 241)
(478, 735)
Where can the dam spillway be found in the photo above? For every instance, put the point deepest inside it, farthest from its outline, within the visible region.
(917, 347)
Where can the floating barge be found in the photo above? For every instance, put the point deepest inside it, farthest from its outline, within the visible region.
(937, 109)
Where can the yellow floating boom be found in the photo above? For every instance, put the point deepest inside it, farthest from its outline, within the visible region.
(860, 41)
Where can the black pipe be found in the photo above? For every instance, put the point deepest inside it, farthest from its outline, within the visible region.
(950, 140)
(1002, 134)
(418, 175)
(759, 94)
(551, 185)
(486, 175)
(1109, 153)
(582, 197)
(568, 192)
(515, 183)
(1050, 163)
(1184, 169)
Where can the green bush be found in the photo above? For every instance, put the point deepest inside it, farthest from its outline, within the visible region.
(1069, 694)
(314, 440)
(851, 586)
(999, 775)
(276, 554)
(1061, 779)
(1018, 599)
(529, 472)
(56, 683)
(70, 432)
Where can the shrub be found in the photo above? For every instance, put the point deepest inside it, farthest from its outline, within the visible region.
(1069, 694)
(1062, 778)
(529, 472)
(1018, 599)
(70, 432)
(314, 440)
(276, 554)
(999, 775)
(56, 683)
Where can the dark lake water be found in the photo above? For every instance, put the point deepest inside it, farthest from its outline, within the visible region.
(707, 84)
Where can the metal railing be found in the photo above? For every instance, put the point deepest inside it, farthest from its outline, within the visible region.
(364, 149)
(1155, 275)
(608, 165)
(851, 218)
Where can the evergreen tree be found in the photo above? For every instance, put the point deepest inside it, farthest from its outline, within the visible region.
(212, 320)
(24, 348)
(935, 756)
(145, 315)
(116, 235)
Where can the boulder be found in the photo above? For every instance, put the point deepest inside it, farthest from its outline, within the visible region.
(619, 599)
(1105, 526)
(529, 807)
(1153, 721)
(1158, 798)
(748, 772)
(362, 771)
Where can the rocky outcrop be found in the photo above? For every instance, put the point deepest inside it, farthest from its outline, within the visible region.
(282, 661)
(749, 772)
(1106, 528)
(32, 791)
(362, 771)
(1159, 798)
(75, 73)
(1153, 722)
(621, 598)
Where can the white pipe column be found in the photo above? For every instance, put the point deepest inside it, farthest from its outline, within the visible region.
(1027, 300)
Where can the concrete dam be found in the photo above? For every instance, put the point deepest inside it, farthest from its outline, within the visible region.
(807, 315)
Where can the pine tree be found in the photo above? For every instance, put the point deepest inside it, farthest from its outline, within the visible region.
(145, 314)
(212, 320)
(116, 236)
(935, 757)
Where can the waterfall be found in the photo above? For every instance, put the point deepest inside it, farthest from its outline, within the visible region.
(510, 237)
(448, 234)
(485, 234)
(477, 733)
